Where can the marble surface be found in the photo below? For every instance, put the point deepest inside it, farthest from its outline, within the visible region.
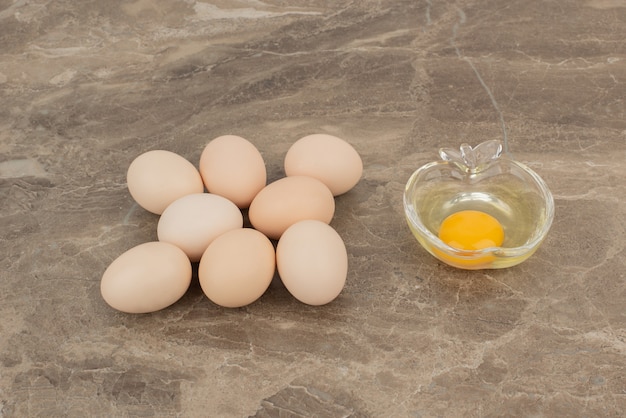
(86, 86)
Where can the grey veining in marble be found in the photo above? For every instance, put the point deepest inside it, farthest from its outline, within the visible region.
(86, 86)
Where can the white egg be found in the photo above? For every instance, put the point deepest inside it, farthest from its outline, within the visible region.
(194, 221)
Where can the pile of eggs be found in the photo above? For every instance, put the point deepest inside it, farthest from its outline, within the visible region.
(202, 220)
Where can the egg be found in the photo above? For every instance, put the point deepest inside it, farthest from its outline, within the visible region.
(312, 262)
(288, 200)
(237, 267)
(231, 166)
(157, 178)
(327, 158)
(470, 230)
(193, 221)
(146, 278)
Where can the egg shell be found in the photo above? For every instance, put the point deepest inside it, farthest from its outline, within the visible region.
(231, 166)
(237, 268)
(194, 221)
(288, 200)
(328, 158)
(157, 178)
(146, 278)
(312, 262)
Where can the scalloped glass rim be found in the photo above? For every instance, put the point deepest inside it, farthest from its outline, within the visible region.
(503, 256)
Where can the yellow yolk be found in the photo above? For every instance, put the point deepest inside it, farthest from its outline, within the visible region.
(470, 230)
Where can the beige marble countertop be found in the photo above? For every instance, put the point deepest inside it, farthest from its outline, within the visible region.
(86, 86)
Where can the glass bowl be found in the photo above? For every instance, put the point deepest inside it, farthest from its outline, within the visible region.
(479, 178)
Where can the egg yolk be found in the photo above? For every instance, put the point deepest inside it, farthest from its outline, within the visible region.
(471, 230)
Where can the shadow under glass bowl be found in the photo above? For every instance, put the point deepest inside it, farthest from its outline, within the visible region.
(479, 179)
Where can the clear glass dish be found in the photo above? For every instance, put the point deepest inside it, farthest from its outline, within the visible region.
(479, 178)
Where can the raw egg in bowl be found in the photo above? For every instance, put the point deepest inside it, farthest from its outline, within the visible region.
(477, 208)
